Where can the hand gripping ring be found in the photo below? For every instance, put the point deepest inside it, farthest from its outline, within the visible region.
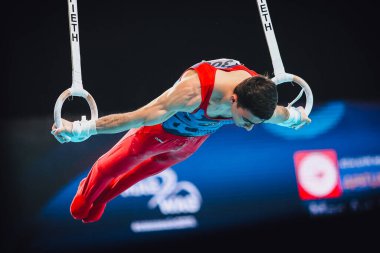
(286, 77)
(76, 93)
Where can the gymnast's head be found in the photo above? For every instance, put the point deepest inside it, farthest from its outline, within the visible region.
(253, 101)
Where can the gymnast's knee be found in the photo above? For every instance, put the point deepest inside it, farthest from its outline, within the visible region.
(164, 159)
(110, 168)
(104, 168)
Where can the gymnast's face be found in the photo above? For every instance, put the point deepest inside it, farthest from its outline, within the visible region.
(242, 117)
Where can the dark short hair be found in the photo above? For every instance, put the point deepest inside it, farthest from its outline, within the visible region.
(258, 94)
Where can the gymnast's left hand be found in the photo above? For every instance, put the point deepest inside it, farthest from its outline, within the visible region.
(304, 118)
(64, 133)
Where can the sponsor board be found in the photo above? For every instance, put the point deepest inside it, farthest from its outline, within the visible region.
(317, 174)
(329, 185)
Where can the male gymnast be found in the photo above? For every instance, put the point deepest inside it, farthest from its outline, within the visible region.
(172, 127)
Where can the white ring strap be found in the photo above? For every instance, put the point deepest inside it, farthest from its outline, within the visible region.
(74, 42)
(280, 76)
(77, 86)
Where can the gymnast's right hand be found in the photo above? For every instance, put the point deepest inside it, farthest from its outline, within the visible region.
(64, 133)
(76, 131)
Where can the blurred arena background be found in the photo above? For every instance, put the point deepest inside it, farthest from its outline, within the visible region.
(271, 187)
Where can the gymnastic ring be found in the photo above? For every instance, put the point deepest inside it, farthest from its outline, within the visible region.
(76, 93)
(286, 77)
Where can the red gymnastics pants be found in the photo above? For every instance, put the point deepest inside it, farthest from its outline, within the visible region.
(141, 153)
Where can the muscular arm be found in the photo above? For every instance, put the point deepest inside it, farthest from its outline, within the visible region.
(154, 113)
(184, 96)
(281, 114)
(181, 97)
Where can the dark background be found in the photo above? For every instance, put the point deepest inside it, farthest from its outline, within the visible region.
(133, 51)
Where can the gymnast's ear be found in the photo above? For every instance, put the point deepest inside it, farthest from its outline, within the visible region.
(233, 98)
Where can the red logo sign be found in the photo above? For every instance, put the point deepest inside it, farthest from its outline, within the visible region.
(317, 174)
